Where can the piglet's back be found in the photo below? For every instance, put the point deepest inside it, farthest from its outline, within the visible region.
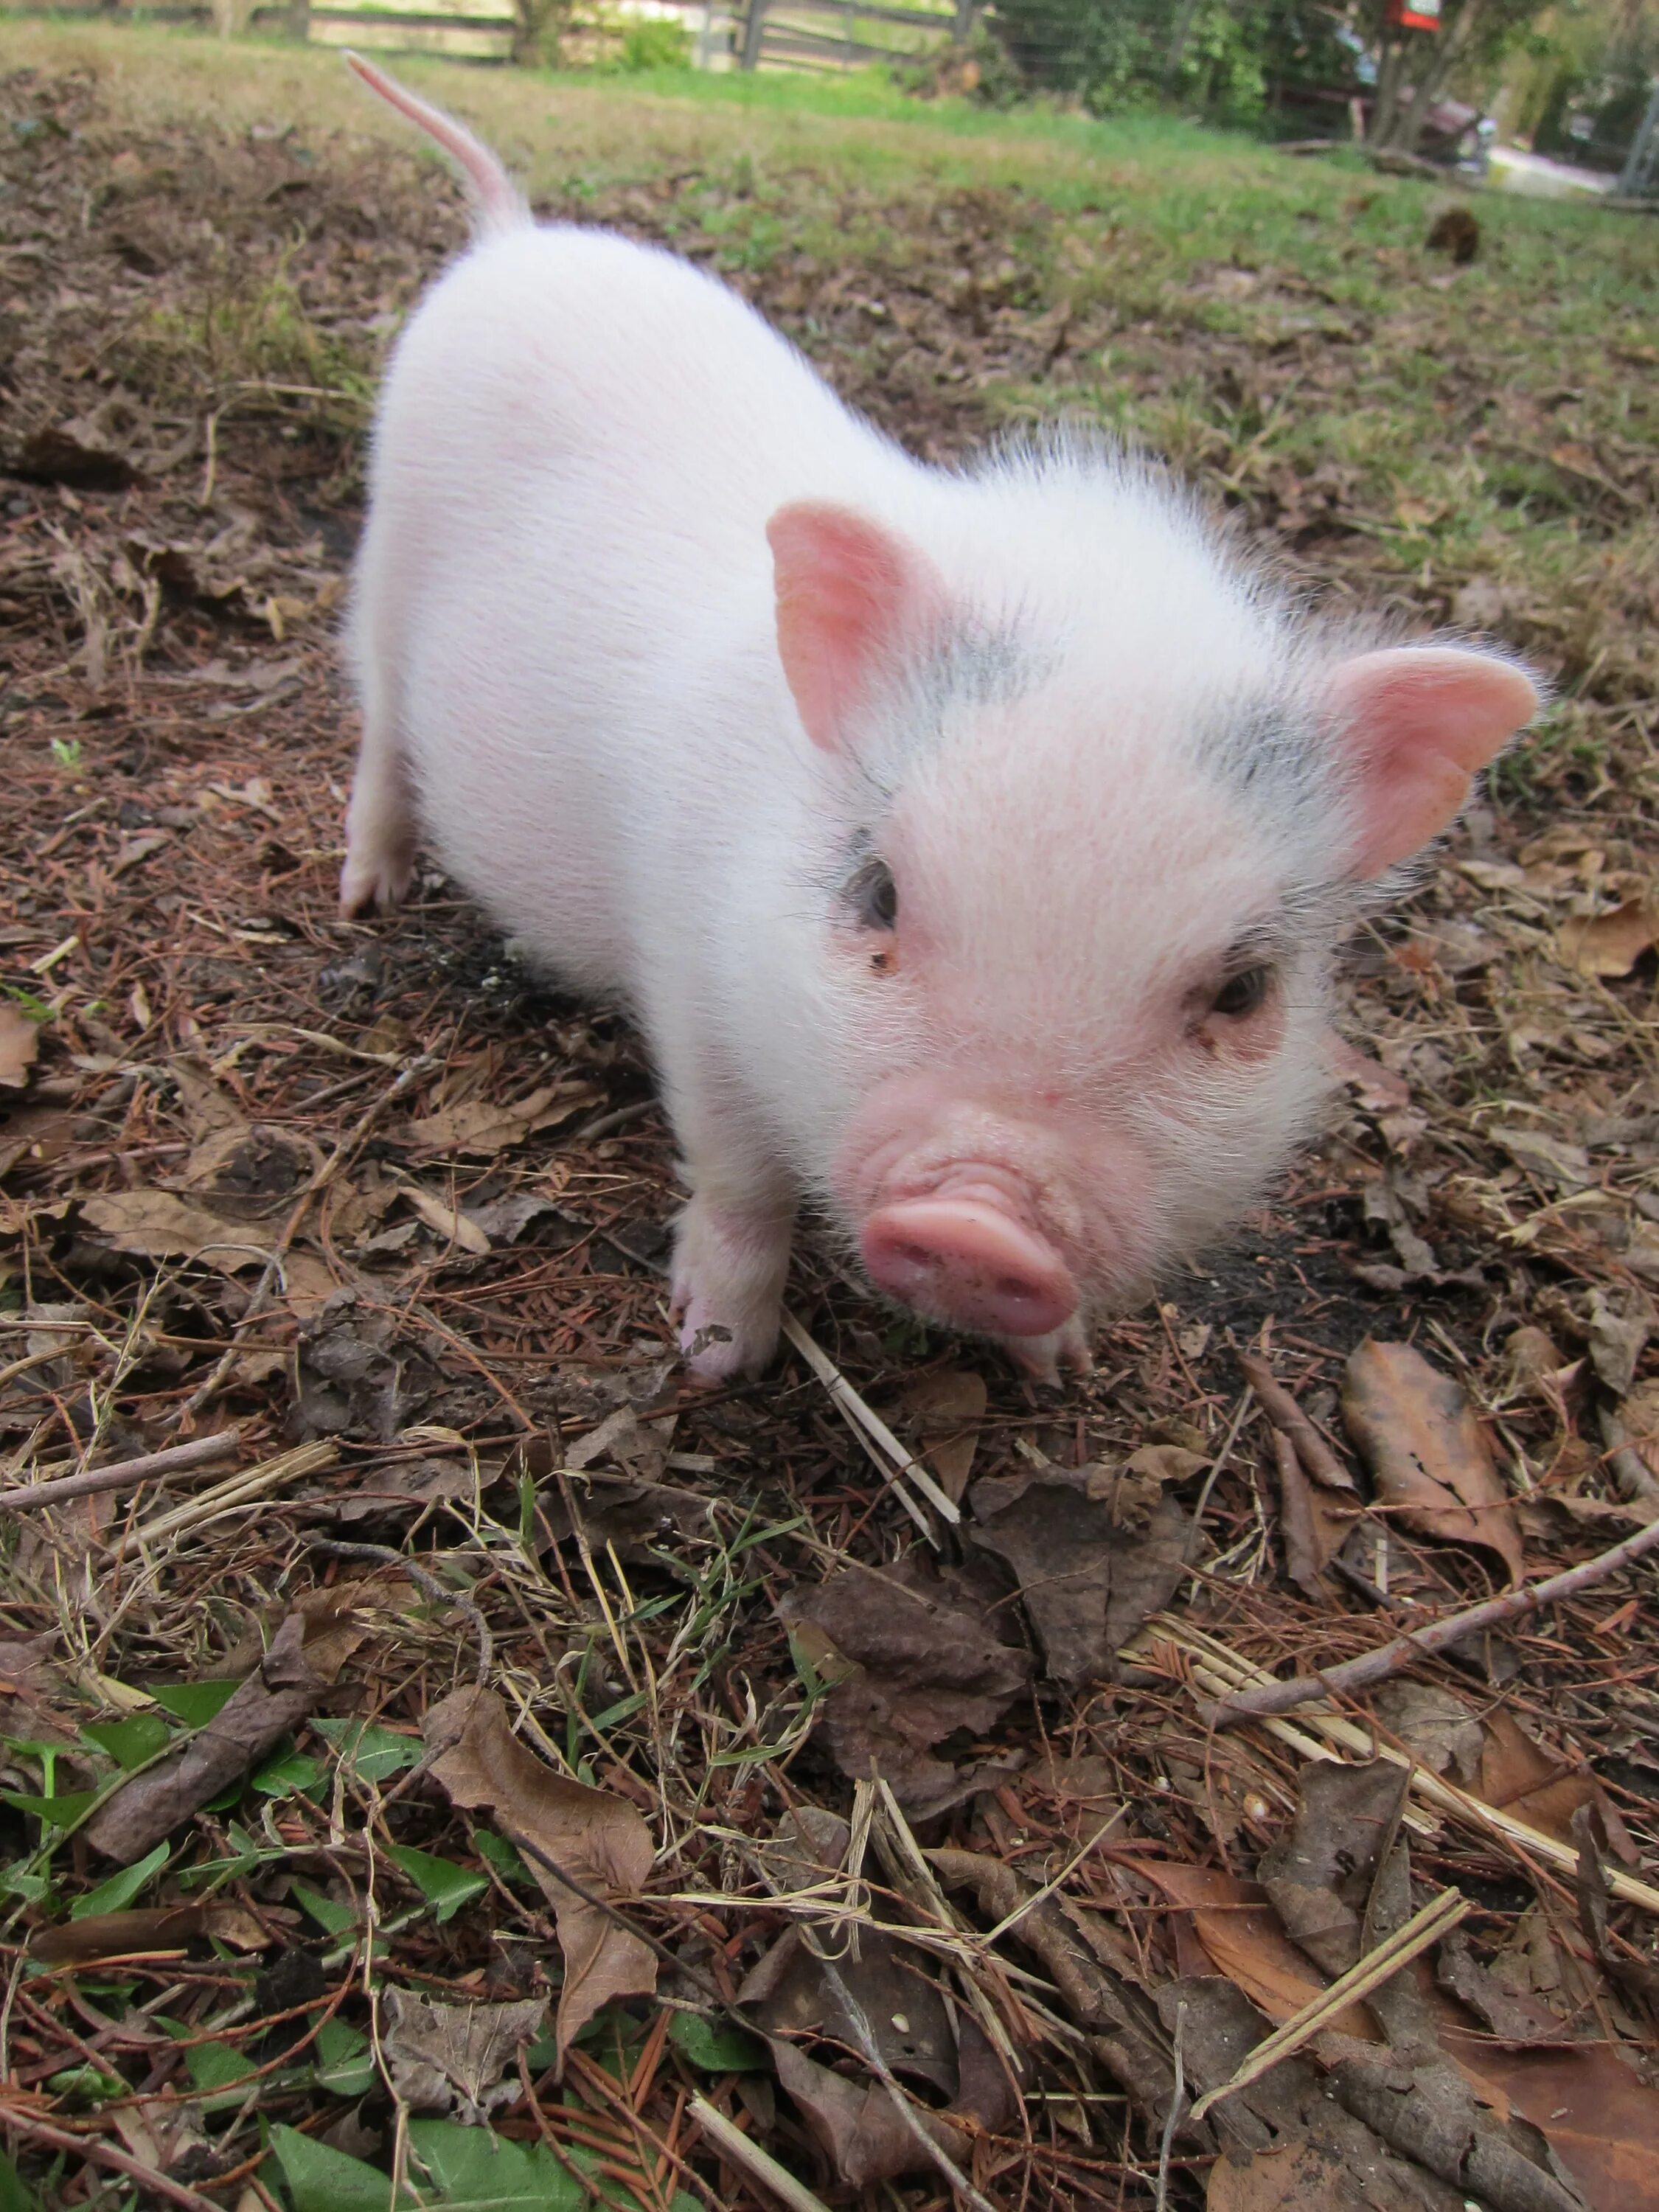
(580, 443)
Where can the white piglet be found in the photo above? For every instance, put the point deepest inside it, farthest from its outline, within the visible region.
(973, 848)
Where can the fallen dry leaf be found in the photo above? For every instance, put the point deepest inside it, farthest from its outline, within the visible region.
(159, 1224)
(1621, 1321)
(115, 1935)
(945, 1409)
(598, 1839)
(1296, 2179)
(628, 1442)
(452, 2057)
(854, 2123)
(162, 1225)
(1553, 1161)
(928, 1663)
(1090, 1964)
(1640, 1415)
(1288, 2110)
(1520, 1777)
(1417, 1433)
(1513, 2015)
(643, 1521)
(1433, 2111)
(1234, 1923)
(20, 1041)
(1609, 944)
(304, 1657)
(1601, 2121)
(1319, 1873)
(1376, 1087)
(1314, 1521)
(910, 2024)
(1093, 1563)
(1439, 1731)
(459, 1228)
(478, 1128)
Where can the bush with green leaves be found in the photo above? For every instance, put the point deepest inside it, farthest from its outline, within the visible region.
(1209, 56)
(644, 43)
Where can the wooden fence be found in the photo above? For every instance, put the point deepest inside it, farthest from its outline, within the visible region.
(836, 34)
(792, 35)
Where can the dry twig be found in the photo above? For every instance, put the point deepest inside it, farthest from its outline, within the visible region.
(1253, 1704)
(148, 1467)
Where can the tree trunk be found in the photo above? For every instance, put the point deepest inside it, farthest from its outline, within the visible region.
(1387, 104)
(1177, 54)
(1451, 46)
(537, 28)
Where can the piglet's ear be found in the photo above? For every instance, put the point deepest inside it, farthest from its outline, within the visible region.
(850, 595)
(1419, 721)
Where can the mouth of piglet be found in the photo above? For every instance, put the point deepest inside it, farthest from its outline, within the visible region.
(967, 1248)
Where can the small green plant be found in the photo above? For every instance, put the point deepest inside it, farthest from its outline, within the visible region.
(66, 751)
(649, 42)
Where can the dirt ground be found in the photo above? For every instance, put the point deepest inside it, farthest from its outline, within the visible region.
(923, 1888)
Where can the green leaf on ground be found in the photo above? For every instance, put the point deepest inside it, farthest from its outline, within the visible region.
(506, 1861)
(132, 1741)
(61, 1812)
(713, 2046)
(15, 2195)
(294, 1770)
(119, 1891)
(217, 2066)
(370, 1752)
(319, 2179)
(195, 1702)
(472, 2171)
(440, 1881)
(334, 1919)
(345, 2064)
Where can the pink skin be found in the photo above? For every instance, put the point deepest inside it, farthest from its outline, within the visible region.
(1000, 1224)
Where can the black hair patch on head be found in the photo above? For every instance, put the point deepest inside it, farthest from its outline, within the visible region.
(1272, 754)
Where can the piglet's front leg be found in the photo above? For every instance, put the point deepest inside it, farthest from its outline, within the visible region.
(730, 1256)
(731, 1243)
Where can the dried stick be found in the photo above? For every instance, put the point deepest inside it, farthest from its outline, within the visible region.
(1437, 1918)
(738, 2149)
(864, 2037)
(1288, 1418)
(895, 1466)
(24, 1496)
(1256, 1704)
(158, 2185)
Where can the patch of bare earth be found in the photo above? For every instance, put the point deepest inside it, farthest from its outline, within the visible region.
(666, 1780)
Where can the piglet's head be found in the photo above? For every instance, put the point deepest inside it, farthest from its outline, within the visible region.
(1080, 919)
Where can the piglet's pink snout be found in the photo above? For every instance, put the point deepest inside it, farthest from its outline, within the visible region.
(963, 1257)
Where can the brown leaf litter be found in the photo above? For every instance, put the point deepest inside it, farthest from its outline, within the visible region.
(383, 1202)
(584, 1846)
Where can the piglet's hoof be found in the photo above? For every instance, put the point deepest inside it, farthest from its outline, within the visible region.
(1043, 1357)
(727, 1291)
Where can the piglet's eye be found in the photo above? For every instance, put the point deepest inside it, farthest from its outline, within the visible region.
(1243, 994)
(874, 896)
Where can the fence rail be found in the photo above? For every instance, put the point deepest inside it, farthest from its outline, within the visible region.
(765, 34)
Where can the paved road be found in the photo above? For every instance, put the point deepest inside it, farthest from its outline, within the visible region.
(1518, 172)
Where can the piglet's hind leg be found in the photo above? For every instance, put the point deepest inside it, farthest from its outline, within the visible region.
(380, 826)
